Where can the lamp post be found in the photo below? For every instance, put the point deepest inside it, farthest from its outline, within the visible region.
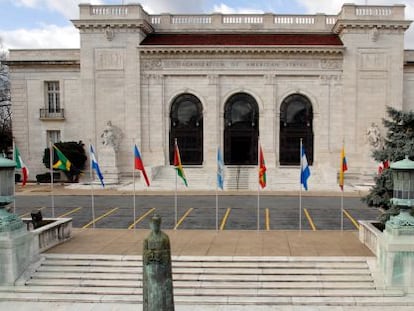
(8, 222)
(396, 245)
(403, 193)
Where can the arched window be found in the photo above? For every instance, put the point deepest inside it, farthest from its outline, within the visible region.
(296, 122)
(241, 130)
(186, 125)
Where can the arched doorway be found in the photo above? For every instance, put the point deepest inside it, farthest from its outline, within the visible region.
(296, 122)
(186, 125)
(241, 130)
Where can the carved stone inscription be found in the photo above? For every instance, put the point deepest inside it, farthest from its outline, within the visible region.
(300, 64)
(109, 59)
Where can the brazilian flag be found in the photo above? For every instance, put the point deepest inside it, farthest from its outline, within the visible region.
(63, 163)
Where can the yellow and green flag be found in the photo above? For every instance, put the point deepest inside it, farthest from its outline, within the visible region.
(178, 165)
(63, 163)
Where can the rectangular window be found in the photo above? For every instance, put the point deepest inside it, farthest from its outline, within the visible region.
(53, 96)
(53, 137)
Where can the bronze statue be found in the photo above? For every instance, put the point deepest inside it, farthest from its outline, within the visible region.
(157, 273)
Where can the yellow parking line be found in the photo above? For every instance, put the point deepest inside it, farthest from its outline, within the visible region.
(224, 220)
(71, 212)
(182, 218)
(267, 219)
(132, 226)
(100, 217)
(28, 214)
(356, 224)
(309, 219)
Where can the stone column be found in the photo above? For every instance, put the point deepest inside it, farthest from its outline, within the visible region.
(15, 247)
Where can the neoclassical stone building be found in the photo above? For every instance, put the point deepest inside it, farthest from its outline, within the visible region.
(219, 80)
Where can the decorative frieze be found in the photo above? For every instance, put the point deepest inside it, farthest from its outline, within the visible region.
(200, 64)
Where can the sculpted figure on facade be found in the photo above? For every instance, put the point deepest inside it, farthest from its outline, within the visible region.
(111, 136)
(374, 136)
(157, 272)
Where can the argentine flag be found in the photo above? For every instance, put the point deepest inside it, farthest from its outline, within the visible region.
(220, 170)
(95, 166)
(304, 169)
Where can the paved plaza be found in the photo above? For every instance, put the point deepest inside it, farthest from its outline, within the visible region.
(197, 210)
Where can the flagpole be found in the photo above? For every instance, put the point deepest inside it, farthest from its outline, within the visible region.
(92, 193)
(217, 190)
(258, 185)
(133, 181)
(300, 186)
(14, 182)
(342, 210)
(51, 151)
(175, 193)
(343, 184)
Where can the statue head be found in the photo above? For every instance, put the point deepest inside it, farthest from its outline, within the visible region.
(155, 223)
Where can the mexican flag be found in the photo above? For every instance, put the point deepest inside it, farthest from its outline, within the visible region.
(21, 165)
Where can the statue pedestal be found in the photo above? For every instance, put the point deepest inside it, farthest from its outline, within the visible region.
(15, 254)
(108, 162)
(396, 257)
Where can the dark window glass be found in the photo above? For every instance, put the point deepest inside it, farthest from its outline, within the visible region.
(296, 122)
(241, 119)
(186, 125)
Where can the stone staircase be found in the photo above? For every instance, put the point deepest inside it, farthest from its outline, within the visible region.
(205, 281)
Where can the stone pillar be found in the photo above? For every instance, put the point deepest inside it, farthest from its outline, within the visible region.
(396, 253)
(15, 247)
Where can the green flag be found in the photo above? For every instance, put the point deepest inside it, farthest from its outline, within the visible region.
(63, 163)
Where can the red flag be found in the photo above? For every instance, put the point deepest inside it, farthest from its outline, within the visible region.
(262, 169)
(139, 165)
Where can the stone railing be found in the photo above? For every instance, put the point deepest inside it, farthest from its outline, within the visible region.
(369, 235)
(52, 234)
(372, 12)
(243, 22)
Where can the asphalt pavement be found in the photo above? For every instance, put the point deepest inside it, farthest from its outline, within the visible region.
(234, 212)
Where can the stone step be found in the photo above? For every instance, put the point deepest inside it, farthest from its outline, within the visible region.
(225, 265)
(342, 298)
(219, 284)
(211, 292)
(205, 277)
(219, 271)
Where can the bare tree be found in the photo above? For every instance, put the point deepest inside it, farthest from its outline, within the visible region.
(6, 138)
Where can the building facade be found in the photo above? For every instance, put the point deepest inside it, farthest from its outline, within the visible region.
(228, 81)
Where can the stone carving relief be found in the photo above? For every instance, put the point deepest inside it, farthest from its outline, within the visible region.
(331, 64)
(374, 34)
(109, 59)
(374, 137)
(152, 64)
(373, 61)
(111, 136)
(109, 33)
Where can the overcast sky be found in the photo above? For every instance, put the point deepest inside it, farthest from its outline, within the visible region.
(46, 23)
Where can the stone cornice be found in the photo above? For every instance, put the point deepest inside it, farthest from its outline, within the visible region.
(33, 63)
(342, 24)
(241, 50)
(114, 24)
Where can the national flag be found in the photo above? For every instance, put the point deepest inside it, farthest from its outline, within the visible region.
(178, 165)
(220, 170)
(304, 169)
(95, 165)
(63, 163)
(343, 168)
(382, 166)
(139, 165)
(262, 169)
(20, 165)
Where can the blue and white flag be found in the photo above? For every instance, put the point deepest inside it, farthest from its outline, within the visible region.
(220, 170)
(95, 166)
(304, 169)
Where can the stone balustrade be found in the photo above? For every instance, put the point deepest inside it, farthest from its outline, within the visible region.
(369, 235)
(52, 234)
(242, 22)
